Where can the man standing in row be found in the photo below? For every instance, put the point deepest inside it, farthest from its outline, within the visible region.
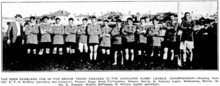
(117, 43)
(128, 32)
(170, 40)
(187, 39)
(70, 31)
(46, 31)
(15, 34)
(32, 31)
(94, 31)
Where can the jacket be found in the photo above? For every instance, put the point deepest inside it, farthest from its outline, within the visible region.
(12, 32)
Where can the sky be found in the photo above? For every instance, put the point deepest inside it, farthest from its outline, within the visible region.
(27, 9)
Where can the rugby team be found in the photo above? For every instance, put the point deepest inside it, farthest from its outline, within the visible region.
(166, 43)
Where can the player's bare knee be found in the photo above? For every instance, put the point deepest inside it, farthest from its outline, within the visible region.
(108, 52)
(60, 49)
(139, 52)
(126, 50)
(132, 50)
(172, 51)
(165, 50)
(103, 51)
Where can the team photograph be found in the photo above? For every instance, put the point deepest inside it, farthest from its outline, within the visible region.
(74, 37)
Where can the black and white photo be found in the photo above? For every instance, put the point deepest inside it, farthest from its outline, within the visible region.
(109, 36)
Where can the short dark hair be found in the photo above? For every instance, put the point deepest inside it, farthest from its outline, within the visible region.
(143, 19)
(169, 18)
(202, 19)
(93, 17)
(197, 22)
(172, 15)
(129, 19)
(207, 21)
(26, 23)
(18, 15)
(187, 13)
(106, 21)
(155, 18)
(57, 19)
(84, 19)
(118, 20)
(45, 17)
(32, 17)
(71, 19)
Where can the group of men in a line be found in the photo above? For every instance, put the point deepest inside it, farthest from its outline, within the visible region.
(166, 43)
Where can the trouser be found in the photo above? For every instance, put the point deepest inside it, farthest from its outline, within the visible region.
(17, 49)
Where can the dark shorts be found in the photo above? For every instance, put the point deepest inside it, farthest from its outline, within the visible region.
(171, 45)
(117, 47)
(45, 44)
(104, 47)
(71, 44)
(32, 46)
(93, 44)
(129, 45)
(142, 46)
(156, 49)
(58, 45)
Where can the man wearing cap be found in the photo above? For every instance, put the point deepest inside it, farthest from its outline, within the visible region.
(15, 33)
